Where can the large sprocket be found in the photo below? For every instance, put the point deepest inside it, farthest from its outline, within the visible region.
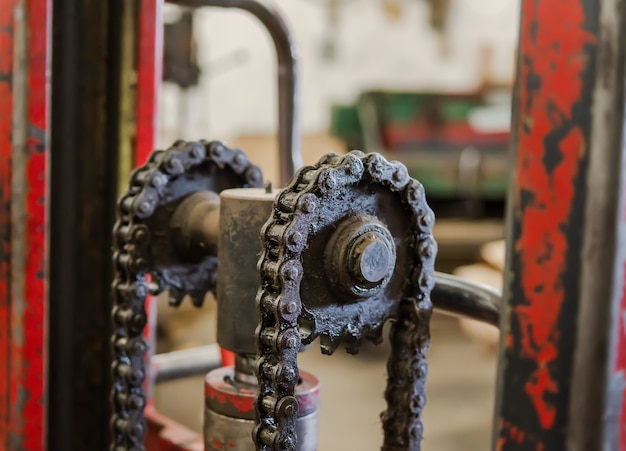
(349, 245)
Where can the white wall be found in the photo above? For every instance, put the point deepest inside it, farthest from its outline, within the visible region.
(373, 52)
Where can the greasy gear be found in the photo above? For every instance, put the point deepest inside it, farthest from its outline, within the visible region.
(144, 249)
(299, 299)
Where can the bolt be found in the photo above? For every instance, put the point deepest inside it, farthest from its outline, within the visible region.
(291, 307)
(329, 181)
(294, 238)
(254, 175)
(370, 258)
(136, 377)
(138, 348)
(415, 192)
(197, 150)
(144, 207)
(291, 273)
(217, 149)
(427, 248)
(140, 235)
(291, 342)
(427, 219)
(174, 165)
(158, 181)
(399, 174)
(308, 205)
(240, 159)
(135, 402)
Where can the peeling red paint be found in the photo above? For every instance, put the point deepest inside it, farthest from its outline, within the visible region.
(33, 375)
(148, 80)
(550, 147)
(224, 393)
(23, 312)
(543, 245)
(6, 116)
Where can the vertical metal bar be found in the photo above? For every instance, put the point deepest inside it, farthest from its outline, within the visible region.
(149, 69)
(36, 154)
(24, 88)
(84, 170)
(597, 385)
(6, 124)
(289, 152)
(562, 273)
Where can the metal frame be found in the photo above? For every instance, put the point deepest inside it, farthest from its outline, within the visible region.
(561, 374)
(24, 156)
(565, 284)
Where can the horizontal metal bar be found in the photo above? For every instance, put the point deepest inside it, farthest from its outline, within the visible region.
(451, 294)
(185, 363)
(461, 297)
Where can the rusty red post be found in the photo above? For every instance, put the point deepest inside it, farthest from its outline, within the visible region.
(149, 70)
(24, 144)
(560, 361)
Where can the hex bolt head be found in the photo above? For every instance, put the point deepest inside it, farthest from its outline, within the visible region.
(370, 259)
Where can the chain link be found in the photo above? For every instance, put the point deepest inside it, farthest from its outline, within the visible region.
(132, 237)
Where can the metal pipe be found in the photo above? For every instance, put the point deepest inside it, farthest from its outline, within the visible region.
(458, 296)
(185, 363)
(290, 155)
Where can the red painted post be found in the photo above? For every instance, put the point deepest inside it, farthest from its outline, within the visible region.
(149, 68)
(563, 287)
(24, 148)
(6, 124)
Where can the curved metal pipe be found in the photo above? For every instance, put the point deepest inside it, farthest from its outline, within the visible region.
(460, 297)
(290, 154)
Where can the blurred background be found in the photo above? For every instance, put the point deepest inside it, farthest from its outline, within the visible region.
(425, 82)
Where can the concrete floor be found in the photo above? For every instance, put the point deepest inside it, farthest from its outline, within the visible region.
(460, 389)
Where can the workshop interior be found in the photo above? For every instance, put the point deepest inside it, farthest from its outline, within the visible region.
(301, 225)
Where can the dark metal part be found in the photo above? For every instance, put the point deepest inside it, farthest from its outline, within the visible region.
(245, 365)
(185, 363)
(558, 386)
(180, 63)
(242, 215)
(360, 256)
(298, 301)
(144, 245)
(195, 225)
(289, 152)
(229, 412)
(452, 294)
(84, 153)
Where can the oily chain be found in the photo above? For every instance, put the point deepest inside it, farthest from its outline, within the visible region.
(285, 236)
(147, 191)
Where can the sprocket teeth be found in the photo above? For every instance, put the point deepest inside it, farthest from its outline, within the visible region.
(329, 344)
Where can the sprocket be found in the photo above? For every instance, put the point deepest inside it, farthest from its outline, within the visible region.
(150, 240)
(349, 245)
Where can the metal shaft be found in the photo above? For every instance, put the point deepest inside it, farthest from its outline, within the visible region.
(461, 297)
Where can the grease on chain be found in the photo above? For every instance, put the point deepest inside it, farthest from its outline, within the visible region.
(285, 236)
(132, 240)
